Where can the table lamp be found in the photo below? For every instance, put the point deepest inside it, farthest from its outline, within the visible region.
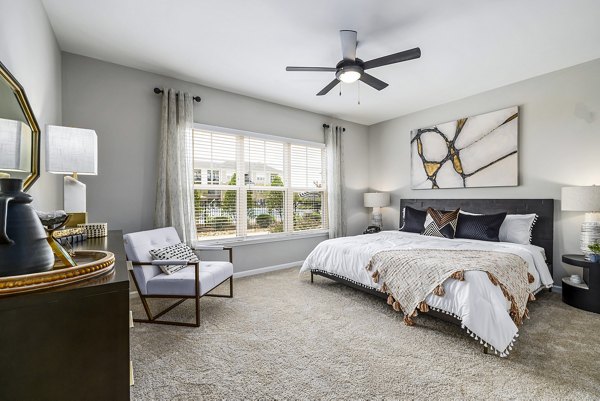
(72, 151)
(584, 199)
(376, 200)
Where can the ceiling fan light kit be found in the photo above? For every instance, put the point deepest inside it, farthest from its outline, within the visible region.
(352, 69)
(350, 73)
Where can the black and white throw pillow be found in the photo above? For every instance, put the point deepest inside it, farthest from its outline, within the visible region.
(174, 252)
(413, 220)
(483, 227)
(440, 224)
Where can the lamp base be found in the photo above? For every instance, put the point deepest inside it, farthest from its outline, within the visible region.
(76, 218)
(376, 218)
(74, 195)
(590, 234)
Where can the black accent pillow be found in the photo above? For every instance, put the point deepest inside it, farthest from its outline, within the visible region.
(483, 227)
(413, 220)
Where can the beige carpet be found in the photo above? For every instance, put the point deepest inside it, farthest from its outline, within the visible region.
(284, 338)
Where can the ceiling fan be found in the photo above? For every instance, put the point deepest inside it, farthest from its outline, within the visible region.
(351, 68)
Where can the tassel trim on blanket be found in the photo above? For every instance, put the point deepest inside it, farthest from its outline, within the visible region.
(501, 353)
(440, 291)
(424, 307)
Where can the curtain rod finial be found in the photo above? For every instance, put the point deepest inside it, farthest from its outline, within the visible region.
(325, 125)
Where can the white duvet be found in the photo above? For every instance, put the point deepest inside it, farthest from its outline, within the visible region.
(478, 303)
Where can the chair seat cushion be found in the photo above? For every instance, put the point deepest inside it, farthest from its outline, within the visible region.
(182, 282)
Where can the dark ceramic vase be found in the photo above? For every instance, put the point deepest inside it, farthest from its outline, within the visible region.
(23, 245)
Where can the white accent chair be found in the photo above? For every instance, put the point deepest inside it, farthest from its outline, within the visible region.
(192, 282)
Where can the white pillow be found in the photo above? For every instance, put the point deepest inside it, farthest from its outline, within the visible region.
(516, 228)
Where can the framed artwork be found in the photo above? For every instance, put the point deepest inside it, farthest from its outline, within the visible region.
(478, 151)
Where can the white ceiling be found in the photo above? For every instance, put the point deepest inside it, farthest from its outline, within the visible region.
(468, 46)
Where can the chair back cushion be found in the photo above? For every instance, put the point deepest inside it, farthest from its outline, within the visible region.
(138, 246)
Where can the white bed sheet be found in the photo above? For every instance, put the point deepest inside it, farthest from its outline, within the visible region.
(479, 304)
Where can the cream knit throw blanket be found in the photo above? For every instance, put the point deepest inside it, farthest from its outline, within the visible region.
(409, 276)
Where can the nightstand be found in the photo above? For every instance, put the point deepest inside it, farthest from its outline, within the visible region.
(586, 295)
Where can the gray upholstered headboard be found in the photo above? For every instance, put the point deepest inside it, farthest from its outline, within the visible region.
(543, 231)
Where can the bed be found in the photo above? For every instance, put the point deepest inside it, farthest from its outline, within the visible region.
(474, 301)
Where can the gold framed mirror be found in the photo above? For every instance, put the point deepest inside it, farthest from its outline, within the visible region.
(19, 132)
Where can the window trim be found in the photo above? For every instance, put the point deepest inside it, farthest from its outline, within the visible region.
(241, 190)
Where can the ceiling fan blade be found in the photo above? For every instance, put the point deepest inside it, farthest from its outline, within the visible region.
(372, 81)
(393, 58)
(323, 69)
(329, 87)
(349, 43)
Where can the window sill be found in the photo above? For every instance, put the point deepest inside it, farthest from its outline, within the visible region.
(261, 239)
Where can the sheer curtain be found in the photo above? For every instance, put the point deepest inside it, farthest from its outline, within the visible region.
(335, 181)
(175, 187)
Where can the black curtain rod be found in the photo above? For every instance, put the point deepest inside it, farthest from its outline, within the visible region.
(327, 126)
(158, 91)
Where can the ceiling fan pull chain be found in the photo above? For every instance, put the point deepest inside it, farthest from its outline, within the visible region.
(340, 89)
(358, 85)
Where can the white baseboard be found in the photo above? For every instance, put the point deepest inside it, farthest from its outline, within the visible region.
(267, 269)
(252, 272)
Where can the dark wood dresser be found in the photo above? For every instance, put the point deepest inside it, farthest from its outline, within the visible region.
(70, 343)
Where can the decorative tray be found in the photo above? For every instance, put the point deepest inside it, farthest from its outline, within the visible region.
(89, 264)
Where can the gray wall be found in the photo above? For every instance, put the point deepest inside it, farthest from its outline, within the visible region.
(29, 50)
(119, 104)
(559, 145)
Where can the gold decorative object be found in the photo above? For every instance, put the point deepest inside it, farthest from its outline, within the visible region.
(76, 219)
(67, 232)
(89, 264)
(52, 222)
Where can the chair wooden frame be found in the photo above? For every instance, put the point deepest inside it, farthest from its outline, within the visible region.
(196, 296)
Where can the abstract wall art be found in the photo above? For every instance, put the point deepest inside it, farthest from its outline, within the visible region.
(479, 151)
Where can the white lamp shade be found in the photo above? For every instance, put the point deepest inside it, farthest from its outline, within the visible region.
(581, 199)
(376, 199)
(10, 145)
(71, 150)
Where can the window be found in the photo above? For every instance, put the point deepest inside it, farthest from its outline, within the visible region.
(283, 189)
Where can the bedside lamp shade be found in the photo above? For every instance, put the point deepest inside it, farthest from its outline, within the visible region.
(584, 199)
(376, 199)
(581, 199)
(71, 150)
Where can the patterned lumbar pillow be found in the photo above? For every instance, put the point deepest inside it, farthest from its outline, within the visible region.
(174, 252)
(484, 227)
(440, 224)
